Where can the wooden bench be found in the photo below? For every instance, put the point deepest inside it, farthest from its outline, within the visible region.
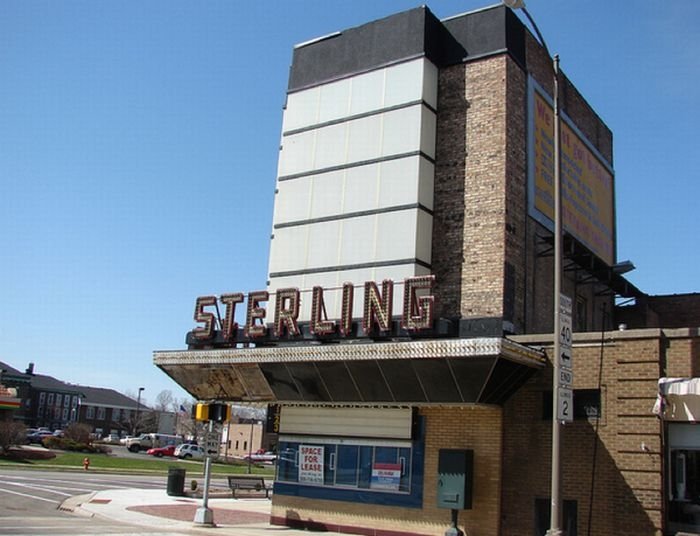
(248, 483)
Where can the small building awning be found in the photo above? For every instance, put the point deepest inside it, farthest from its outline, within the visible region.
(8, 398)
(442, 371)
(678, 399)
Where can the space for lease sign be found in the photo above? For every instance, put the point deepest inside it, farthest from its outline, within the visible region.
(310, 464)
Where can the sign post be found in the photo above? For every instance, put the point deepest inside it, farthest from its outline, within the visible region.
(205, 515)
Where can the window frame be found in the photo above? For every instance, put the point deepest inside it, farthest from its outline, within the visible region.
(385, 489)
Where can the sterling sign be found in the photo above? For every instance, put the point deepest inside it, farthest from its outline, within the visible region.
(418, 311)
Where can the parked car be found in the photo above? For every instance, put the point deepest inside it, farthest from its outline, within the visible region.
(58, 433)
(38, 437)
(151, 441)
(188, 450)
(124, 440)
(261, 457)
(159, 452)
(112, 439)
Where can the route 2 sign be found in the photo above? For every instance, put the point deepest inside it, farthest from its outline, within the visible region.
(565, 405)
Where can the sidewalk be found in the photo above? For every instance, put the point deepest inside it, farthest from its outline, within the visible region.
(157, 510)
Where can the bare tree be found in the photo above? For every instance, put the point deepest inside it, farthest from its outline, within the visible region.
(78, 432)
(11, 433)
(186, 425)
(165, 401)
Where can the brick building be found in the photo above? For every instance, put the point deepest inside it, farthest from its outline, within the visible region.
(405, 334)
(44, 401)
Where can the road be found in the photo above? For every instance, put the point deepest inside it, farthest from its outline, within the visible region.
(29, 502)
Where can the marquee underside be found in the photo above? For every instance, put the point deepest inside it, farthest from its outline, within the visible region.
(453, 371)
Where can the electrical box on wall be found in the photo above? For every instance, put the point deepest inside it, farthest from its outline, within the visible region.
(455, 475)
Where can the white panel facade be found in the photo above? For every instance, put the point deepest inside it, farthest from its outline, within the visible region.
(355, 186)
(383, 88)
(353, 422)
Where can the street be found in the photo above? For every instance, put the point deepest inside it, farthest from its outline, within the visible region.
(29, 502)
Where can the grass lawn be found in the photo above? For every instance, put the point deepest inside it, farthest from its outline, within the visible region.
(113, 464)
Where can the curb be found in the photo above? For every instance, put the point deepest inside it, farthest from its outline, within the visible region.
(73, 504)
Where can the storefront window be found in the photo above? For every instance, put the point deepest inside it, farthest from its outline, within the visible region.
(379, 468)
(346, 472)
(685, 489)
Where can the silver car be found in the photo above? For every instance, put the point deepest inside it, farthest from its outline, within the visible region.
(189, 451)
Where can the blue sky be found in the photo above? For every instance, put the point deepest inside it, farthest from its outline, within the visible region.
(138, 153)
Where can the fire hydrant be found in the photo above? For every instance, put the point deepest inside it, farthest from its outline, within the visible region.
(86, 463)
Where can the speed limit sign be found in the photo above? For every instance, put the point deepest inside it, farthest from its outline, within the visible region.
(565, 333)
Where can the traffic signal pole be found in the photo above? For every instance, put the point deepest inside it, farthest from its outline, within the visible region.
(204, 515)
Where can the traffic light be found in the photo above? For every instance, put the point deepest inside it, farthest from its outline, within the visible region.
(212, 412)
(201, 412)
(219, 412)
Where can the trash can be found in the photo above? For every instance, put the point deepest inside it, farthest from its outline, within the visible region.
(176, 482)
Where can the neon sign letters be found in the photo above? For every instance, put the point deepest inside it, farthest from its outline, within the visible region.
(418, 311)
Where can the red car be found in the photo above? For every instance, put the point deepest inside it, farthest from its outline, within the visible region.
(162, 451)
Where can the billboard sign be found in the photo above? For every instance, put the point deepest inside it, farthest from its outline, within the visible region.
(588, 212)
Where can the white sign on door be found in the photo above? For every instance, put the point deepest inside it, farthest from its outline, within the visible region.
(311, 464)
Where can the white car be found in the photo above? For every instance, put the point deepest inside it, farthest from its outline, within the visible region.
(189, 451)
(261, 457)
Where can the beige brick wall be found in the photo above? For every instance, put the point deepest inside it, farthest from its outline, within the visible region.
(476, 428)
(480, 191)
(612, 468)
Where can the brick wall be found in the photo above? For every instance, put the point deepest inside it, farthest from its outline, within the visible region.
(449, 188)
(477, 428)
(676, 310)
(490, 259)
(471, 212)
(612, 467)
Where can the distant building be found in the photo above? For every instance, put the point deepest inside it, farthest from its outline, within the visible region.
(44, 401)
(239, 439)
(52, 403)
(107, 411)
(14, 389)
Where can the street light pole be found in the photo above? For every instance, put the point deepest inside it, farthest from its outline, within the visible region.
(138, 409)
(555, 511)
(555, 515)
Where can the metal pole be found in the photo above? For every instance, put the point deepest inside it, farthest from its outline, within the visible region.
(250, 448)
(204, 515)
(555, 512)
(138, 410)
(207, 471)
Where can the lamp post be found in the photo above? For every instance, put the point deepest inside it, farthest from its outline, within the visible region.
(555, 511)
(138, 409)
(250, 448)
